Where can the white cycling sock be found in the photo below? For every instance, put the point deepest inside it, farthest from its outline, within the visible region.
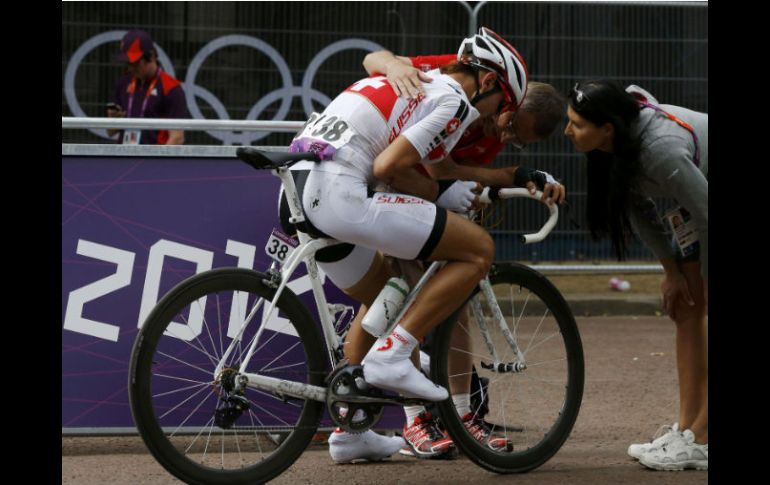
(462, 403)
(411, 413)
(388, 366)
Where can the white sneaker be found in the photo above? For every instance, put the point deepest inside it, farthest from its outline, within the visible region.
(678, 454)
(349, 447)
(669, 433)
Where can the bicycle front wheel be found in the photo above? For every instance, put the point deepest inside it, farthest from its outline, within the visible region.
(533, 409)
(182, 405)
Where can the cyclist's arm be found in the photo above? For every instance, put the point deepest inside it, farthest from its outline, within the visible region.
(449, 169)
(395, 166)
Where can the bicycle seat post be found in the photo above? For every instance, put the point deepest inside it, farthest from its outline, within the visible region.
(292, 197)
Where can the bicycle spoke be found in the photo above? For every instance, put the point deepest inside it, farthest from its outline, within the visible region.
(200, 349)
(541, 342)
(206, 326)
(544, 362)
(256, 436)
(182, 379)
(219, 326)
(268, 412)
(183, 362)
(179, 390)
(279, 356)
(177, 406)
(198, 435)
(536, 331)
(466, 352)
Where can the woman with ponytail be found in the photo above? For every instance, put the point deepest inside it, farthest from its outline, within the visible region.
(636, 149)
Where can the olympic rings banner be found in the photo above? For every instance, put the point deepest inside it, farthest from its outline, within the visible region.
(285, 93)
(132, 228)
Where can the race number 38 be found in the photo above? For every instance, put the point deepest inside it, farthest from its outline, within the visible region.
(280, 246)
(330, 129)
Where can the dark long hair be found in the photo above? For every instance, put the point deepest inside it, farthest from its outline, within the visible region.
(611, 176)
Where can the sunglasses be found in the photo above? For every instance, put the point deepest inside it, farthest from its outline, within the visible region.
(580, 96)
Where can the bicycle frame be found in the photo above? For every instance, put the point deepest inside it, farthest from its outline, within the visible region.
(306, 251)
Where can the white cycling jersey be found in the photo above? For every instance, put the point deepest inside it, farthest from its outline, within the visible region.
(352, 131)
(362, 121)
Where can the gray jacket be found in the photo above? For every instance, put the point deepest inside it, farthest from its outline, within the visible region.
(668, 170)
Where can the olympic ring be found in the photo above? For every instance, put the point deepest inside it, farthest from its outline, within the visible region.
(325, 53)
(192, 91)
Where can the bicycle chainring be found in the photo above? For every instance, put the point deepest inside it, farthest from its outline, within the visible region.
(352, 417)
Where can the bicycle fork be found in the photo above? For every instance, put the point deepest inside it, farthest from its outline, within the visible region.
(497, 315)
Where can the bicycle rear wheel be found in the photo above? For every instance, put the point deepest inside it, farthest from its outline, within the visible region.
(175, 394)
(534, 409)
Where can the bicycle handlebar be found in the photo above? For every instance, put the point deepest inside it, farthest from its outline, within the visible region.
(489, 194)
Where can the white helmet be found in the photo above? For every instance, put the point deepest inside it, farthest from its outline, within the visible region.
(490, 51)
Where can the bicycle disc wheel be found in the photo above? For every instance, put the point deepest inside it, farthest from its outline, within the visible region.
(534, 409)
(177, 398)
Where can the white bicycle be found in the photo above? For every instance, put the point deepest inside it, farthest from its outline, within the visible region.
(231, 373)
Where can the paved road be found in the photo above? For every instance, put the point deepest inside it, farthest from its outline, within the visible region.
(631, 388)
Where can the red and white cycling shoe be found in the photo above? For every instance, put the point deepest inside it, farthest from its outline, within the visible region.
(481, 432)
(425, 440)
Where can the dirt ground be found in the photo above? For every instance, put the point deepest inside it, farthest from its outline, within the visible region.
(631, 389)
(599, 284)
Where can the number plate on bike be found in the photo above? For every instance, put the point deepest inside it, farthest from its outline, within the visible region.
(280, 246)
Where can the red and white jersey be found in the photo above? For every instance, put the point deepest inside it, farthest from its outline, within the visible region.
(433, 122)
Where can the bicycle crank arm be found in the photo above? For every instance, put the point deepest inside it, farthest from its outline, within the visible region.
(283, 387)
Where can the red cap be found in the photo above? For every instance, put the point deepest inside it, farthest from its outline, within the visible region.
(134, 45)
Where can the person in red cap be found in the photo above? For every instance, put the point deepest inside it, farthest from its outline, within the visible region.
(145, 91)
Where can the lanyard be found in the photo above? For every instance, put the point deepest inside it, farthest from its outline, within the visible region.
(132, 90)
(681, 123)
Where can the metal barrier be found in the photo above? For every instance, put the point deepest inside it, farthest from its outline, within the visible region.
(179, 124)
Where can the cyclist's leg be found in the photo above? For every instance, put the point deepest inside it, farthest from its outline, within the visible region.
(469, 251)
(361, 275)
(409, 228)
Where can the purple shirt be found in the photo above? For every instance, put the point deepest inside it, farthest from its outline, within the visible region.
(165, 101)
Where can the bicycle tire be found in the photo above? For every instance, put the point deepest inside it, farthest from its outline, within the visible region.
(147, 355)
(519, 460)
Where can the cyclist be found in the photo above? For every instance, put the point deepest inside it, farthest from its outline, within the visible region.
(541, 111)
(637, 148)
(368, 134)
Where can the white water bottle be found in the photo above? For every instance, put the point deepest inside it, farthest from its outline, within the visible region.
(386, 306)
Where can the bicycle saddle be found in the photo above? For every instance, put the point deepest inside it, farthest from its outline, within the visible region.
(260, 159)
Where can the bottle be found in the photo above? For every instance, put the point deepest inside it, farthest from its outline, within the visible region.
(386, 307)
(619, 284)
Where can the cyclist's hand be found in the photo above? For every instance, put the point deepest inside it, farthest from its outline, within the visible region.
(457, 196)
(673, 287)
(477, 204)
(406, 80)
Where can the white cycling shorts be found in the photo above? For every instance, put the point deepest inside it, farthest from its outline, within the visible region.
(340, 205)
